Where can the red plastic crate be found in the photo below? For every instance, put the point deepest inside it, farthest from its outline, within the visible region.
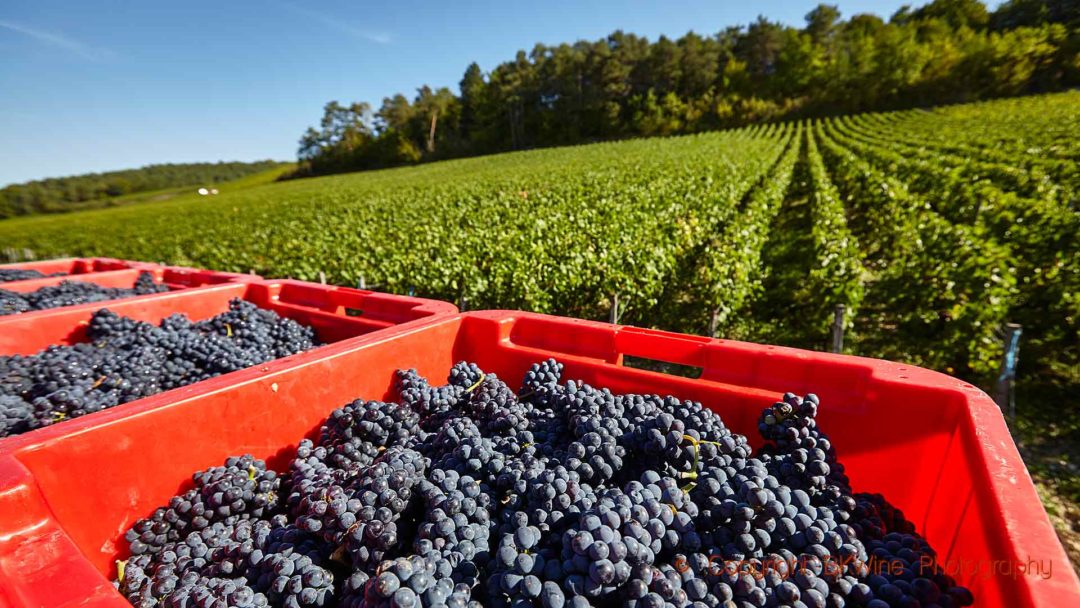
(175, 277)
(336, 313)
(936, 447)
(72, 266)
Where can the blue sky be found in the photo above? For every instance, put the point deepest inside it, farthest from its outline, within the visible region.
(94, 85)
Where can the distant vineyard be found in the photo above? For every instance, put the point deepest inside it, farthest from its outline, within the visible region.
(98, 190)
(932, 228)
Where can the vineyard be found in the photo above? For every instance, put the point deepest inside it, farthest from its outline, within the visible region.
(932, 228)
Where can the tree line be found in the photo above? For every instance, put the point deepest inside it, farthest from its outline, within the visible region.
(59, 194)
(947, 51)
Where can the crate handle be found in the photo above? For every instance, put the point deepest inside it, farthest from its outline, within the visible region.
(661, 366)
(595, 340)
(644, 346)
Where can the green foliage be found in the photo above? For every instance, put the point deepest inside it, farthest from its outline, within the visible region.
(942, 288)
(61, 194)
(622, 86)
(957, 13)
(837, 275)
(1027, 205)
(728, 273)
(1020, 13)
(931, 227)
(556, 231)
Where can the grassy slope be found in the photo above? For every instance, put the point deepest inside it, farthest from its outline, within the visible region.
(268, 176)
(156, 196)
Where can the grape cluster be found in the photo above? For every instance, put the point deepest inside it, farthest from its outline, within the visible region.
(800, 456)
(433, 403)
(241, 489)
(356, 431)
(205, 564)
(360, 517)
(68, 293)
(18, 274)
(408, 582)
(559, 495)
(290, 569)
(125, 360)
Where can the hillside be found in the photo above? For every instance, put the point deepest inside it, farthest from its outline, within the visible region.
(97, 190)
(626, 85)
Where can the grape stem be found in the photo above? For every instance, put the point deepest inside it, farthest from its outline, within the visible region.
(478, 383)
(693, 475)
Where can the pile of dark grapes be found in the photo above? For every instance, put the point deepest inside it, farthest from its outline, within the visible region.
(124, 360)
(18, 274)
(558, 495)
(68, 293)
